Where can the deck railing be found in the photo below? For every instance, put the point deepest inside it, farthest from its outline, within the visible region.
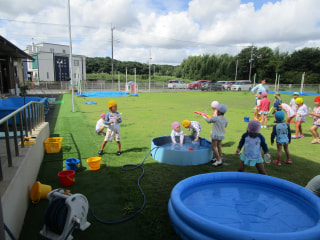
(29, 117)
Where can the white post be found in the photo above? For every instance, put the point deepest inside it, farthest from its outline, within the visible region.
(70, 63)
(149, 68)
(302, 82)
(275, 82)
(254, 79)
(278, 82)
(126, 76)
(118, 81)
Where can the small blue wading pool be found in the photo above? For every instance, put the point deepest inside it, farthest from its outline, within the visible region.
(243, 206)
(190, 153)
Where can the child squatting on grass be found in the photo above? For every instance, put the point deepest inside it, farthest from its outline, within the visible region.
(112, 119)
(220, 122)
(252, 141)
(282, 133)
(176, 131)
(100, 126)
(194, 126)
(302, 112)
(316, 120)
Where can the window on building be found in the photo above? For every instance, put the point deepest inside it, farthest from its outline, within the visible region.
(74, 75)
(64, 51)
(47, 75)
(76, 63)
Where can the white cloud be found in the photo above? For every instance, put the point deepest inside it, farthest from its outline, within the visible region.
(172, 29)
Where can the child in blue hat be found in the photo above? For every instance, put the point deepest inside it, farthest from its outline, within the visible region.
(283, 138)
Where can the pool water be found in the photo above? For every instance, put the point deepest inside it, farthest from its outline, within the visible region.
(250, 209)
(185, 147)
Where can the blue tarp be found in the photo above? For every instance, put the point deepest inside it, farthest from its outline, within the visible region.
(11, 104)
(291, 93)
(104, 94)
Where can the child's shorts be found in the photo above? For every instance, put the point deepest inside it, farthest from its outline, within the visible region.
(264, 112)
(248, 162)
(300, 119)
(291, 113)
(110, 134)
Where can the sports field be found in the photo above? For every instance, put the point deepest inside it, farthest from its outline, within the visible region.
(113, 193)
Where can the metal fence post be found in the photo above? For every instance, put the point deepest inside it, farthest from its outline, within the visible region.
(21, 129)
(6, 130)
(26, 121)
(15, 135)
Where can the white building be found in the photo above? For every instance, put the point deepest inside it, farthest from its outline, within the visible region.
(52, 63)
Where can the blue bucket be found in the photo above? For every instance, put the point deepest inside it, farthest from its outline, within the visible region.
(72, 164)
(246, 119)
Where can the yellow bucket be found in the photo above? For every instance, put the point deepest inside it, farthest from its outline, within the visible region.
(94, 163)
(39, 191)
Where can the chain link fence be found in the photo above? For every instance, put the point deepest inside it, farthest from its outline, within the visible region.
(88, 86)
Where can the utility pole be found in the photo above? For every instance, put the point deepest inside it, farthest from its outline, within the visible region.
(70, 56)
(251, 62)
(235, 77)
(112, 28)
(149, 67)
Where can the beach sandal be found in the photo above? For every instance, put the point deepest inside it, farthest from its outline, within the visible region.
(294, 137)
(288, 161)
(276, 162)
(301, 136)
(315, 141)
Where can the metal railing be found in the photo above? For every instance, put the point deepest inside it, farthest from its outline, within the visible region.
(29, 117)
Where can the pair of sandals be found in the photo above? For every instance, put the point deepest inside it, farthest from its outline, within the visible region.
(276, 162)
(315, 141)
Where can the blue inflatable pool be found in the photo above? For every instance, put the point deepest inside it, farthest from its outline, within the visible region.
(190, 153)
(242, 206)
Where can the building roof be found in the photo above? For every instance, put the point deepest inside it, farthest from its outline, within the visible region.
(9, 49)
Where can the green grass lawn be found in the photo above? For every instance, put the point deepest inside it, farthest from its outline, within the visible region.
(113, 193)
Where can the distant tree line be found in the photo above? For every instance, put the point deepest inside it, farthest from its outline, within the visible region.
(265, 63)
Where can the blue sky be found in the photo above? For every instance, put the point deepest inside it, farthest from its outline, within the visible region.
(171, 29)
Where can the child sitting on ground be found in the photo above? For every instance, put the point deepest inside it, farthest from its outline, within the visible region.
(176, 131)
(100, 126)
(194, 126)
(300, 117)
(264, 109)
(282, 133)
(316, 120)
(112, 119)
(289, 111)
(217, 133)
(252, 141)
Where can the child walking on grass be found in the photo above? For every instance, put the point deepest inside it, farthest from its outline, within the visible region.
(302, 112)
(194, 126)
(282, 133)
(252, 141)
(176, 131)
(316, 120)
(220, 122)
(264, 109)
(112, 119)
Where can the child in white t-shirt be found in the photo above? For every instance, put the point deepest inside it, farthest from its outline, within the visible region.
(100, 125)
(176, 131)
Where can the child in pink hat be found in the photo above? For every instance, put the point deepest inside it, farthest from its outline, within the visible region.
(252, 141)
(100, 126)
(176, 132)
(264, 109)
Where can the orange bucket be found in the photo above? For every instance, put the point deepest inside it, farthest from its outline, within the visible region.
(39, 191)
(66, 177)
(94, 163)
